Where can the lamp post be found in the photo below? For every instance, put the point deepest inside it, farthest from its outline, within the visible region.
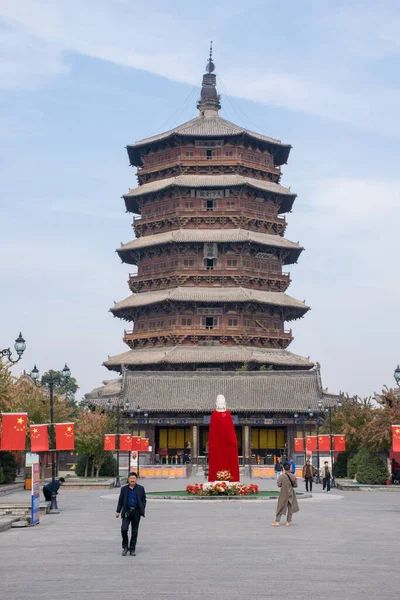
(328, 410)
(118, 406)
(318, 422)
(138, 412)
(54, 377)
(19, 347)
(296, 415)
(397, 375)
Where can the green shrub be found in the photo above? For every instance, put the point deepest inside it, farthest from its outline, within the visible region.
(1, 475)
(8, 465)
(372, 470)
(352, 465)
(108, 469)
(340, 465)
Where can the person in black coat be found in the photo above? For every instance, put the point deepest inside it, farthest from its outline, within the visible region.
(131, 506)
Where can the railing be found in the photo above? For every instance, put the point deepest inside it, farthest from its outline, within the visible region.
(236, 160)
(220, 331)
(201, 271)
(203, 212)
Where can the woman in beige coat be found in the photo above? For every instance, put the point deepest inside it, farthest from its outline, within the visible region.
(287, 501)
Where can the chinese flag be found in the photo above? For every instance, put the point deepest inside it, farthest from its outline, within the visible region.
(396, 438)
(311, 443)
(144, 446)
(136, 443)
(339, 443)
(324, 443)
(109, 441)
(299, 444)
(13, 435)
(65, 436)
(39, 438)
(125, 441)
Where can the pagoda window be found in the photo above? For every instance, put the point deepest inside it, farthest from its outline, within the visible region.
(230, 204)
(210, 263)
(277, 325)
(160, 324)
(247, 322)
(186, 322)
(210, 205)
(171, 322)
(232, 322)
(209, 154)
(189, 204)
(152, 325)
(229, 153)
(246, 262)
(188, 262)
(232, 262)
(190, 153)
(209, 322)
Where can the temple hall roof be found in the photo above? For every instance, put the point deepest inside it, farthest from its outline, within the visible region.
(209, 126)
(209, 294)
(207, 181)
(245, 392)
(175, 355)
(211, 235)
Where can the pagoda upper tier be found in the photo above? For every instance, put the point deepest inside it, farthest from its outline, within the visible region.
(209, 249)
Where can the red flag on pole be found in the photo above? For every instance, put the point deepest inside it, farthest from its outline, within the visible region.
(13, 436)
(144, 446)
(324, 443)
(339, 443)
(125, 441)
(311, 443)
(109, 441)
(396, 438)
(137, 443)
(65, 436)
(299, 444)
(39, 438)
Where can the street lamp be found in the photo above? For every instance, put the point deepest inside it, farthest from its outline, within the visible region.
(328, 410)
(318, 422)
(118, 407)
(138, 412)
(19, 347)
(49, 380)
(397, 375)
(296, 415)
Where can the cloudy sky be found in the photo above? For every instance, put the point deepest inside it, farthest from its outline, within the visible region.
(80, 79)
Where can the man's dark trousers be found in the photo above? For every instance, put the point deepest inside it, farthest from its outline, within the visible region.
(308, 483)
(326, 483)
(47, 494)
(132, 516)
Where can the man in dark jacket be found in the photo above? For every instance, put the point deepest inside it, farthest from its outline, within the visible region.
(48, 489)
(131, 506)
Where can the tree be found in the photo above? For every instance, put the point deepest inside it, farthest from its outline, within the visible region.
(352, 420)
(90, 430)
(378, 437)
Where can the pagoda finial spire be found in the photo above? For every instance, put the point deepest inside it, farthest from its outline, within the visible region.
(208, 104)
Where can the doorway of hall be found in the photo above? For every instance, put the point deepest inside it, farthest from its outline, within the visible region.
(267, 443)
(172, 445)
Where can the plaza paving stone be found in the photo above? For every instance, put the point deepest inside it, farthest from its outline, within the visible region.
(341, 546)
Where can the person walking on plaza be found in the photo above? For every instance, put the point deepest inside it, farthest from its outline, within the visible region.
(131, 506)
(278, 468)
(292, 466)
(287, 501)
(48, 488)
(326, 477)
(308, 474)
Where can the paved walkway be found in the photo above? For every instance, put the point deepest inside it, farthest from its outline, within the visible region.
(341, 546)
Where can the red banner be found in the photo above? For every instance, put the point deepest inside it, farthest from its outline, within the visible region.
(324, 443)
(396, 438)
(39, 438)
(109, 441)
(339, 443)
(137, 443)
(125, 441)
(13, 436)
(144, 446)
(311, 443)
(299, 444)
(65, 436)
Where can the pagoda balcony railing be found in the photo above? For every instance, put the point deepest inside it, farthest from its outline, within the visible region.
(219, 331)
(217, 161)
(200, 271)
(202, 212)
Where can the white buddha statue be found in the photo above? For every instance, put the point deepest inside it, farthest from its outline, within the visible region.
(220, 403)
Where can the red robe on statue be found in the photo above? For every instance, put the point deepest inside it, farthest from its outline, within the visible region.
(222, 446)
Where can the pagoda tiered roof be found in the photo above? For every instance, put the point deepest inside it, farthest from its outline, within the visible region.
(176, 355)
(210, 235)
(209, 181)
(209, 126)
(210, 294)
